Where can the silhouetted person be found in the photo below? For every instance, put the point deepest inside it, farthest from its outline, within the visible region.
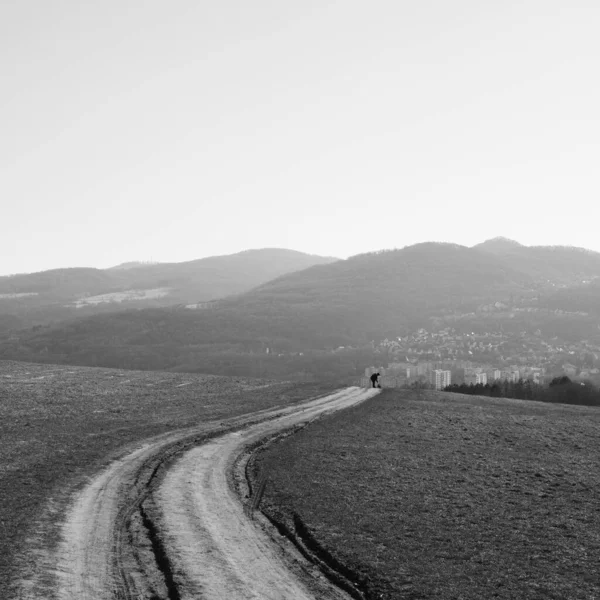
(374, 379)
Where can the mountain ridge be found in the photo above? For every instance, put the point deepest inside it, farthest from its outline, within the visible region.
(46, 296)
(343, 303)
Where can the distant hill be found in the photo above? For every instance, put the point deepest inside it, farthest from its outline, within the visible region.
(132, 265)
(499, 245)
(374, 294)
(553, 265)
(343, 303)
(41, 298)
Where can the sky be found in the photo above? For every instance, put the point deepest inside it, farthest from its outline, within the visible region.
(169, 131)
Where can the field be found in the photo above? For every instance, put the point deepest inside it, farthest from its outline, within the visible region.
(59, 424)
(126, 296)
(447, 496)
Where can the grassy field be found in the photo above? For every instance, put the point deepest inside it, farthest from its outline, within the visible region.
(58, 424)
(448, 496)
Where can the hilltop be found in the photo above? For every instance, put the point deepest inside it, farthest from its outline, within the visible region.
(133, 264)
(498, 245)
(554, 265)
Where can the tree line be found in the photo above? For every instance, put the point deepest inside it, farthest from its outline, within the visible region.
(560, 390)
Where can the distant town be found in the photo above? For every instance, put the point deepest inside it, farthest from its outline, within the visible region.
(439, 359)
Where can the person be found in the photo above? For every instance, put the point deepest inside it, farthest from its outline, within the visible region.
(374, 379)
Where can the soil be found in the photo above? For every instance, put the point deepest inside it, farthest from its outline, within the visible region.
(447, 497)
(60, 426)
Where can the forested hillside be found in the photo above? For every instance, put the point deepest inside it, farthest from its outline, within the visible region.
(584, 298)
(558, 265)
(51, 296)
(344, 303)
(286, 322)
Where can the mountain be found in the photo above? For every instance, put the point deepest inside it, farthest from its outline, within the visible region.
(318, 309)
(345, 302)
(498, 245)
(370, 295)
(553, 265)
(41, 298)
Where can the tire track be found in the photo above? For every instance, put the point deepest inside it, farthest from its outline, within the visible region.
(126, 535)
(216, 550)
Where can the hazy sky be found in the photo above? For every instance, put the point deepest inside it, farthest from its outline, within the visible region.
(138, 130)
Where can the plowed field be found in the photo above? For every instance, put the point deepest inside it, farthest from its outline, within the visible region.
(60, 424)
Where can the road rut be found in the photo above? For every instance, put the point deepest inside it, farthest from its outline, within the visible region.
(217, 551)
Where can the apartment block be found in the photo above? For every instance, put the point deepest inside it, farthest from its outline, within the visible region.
(441, 379)
(494, 374)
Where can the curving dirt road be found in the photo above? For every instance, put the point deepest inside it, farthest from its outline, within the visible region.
(164, 522)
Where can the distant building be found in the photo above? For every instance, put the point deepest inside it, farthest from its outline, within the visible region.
(475, 378)
(441, 379)
(512, 376)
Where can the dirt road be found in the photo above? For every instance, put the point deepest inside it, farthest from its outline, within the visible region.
(164, 522)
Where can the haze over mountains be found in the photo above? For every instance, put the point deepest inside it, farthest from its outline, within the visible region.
(48, 296)
(328, 305)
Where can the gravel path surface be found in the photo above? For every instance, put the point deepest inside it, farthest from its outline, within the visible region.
(215, 549)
